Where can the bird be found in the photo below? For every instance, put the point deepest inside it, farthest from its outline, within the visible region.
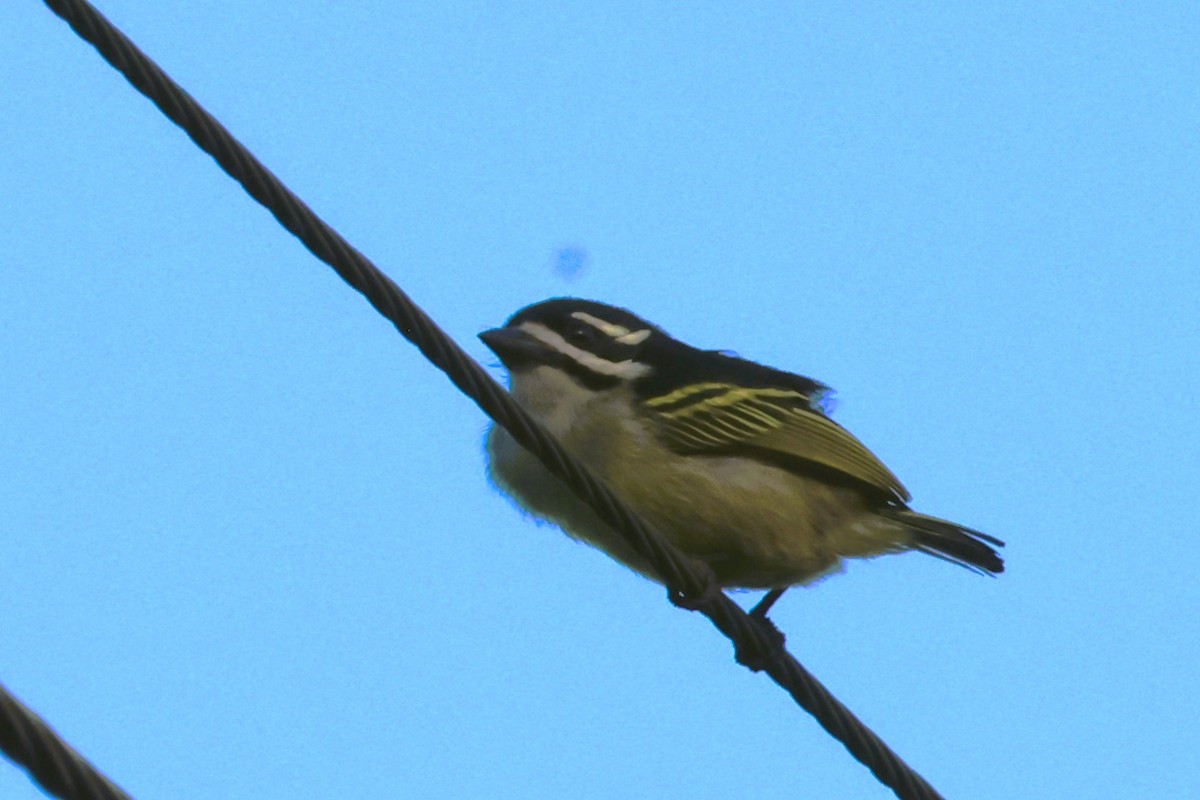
(737, 464)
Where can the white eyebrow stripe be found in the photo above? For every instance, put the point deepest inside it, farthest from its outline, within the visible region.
(618, 332)
(607, 328)
(619, 369)
(633, 337)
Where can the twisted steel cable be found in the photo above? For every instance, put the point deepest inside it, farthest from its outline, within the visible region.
(52, 763)
(690, 583)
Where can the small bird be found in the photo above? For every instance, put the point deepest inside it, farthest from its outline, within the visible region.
(737, 464)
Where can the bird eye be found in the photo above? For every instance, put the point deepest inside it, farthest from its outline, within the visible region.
(581, 335)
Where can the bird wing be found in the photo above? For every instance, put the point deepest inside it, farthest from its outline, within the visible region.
(728, 419)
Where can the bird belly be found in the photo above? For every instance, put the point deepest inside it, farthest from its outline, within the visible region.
(756, 525)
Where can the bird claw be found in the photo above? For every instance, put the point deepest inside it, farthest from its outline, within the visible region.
(759, 654)
(696, 601)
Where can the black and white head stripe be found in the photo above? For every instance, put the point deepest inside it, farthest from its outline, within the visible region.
(619, 333)
(597, 343)
(604, 354)
(563, 312)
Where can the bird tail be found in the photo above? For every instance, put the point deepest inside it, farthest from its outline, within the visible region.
(950, 542)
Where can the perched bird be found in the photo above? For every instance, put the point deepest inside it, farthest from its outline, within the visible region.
(736, 463)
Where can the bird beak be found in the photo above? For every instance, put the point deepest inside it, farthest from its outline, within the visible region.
(515, 347)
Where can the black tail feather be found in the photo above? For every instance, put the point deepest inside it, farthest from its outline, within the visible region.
(950, 542)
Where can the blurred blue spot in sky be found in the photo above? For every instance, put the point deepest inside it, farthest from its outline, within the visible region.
(571, 261)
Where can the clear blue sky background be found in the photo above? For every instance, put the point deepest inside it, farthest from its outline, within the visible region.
(248, 549)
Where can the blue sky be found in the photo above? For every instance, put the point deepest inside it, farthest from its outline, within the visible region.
(248, 547)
